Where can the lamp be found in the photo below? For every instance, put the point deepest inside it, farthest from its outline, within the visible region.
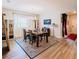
(54, 25)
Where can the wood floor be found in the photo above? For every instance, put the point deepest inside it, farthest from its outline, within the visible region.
(61, 51)
(15, 52)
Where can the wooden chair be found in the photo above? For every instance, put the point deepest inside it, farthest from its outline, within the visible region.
(26, 36)
(32, 37)
(43, 36)
(44, 29)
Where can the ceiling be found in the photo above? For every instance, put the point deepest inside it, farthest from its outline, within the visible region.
(37, 6)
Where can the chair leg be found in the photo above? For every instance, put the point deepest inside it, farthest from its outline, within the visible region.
(29, 41)
(32, 41)
(25, 38)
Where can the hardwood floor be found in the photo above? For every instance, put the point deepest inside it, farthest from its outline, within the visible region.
(15, 52)
(61, 51)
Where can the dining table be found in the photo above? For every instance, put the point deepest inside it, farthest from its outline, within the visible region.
(38, 35)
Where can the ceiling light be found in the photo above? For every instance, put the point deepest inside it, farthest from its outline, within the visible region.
(8, 1)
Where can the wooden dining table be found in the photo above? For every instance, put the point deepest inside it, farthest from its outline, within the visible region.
(38, 35)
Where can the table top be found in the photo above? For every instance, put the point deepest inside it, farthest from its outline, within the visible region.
(37, 33)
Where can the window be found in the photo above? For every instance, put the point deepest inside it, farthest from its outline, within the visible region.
(22, 22)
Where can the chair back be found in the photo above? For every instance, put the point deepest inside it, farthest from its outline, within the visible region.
(30, 31)
(24, 32)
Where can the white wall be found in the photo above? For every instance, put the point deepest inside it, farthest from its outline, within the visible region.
(54, 12)
(55, 17)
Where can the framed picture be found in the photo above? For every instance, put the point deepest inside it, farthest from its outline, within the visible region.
(47, 22)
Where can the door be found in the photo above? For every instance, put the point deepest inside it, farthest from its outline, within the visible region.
(72, 23)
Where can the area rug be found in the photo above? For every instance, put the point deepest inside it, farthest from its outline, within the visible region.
(31, 50)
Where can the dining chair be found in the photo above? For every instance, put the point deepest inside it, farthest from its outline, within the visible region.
(42, 36)
(44, 29)
(26, 36)
(32, 37)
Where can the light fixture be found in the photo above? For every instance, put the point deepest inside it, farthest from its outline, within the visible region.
(8, 1)
(54, 25)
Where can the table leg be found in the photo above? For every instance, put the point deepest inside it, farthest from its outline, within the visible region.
(37, 38)
(46, 38)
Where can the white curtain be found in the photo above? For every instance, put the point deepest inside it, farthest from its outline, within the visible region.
(22, 22)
